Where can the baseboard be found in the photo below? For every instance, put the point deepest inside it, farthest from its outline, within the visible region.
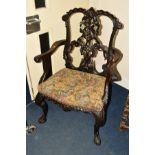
(124, 83)
(28, 104)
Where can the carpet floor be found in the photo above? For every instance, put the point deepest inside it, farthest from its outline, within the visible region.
(71, 133)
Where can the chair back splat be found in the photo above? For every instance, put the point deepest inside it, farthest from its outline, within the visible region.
(89, 42)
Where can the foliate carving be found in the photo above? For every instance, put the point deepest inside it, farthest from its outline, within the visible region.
(88, 41)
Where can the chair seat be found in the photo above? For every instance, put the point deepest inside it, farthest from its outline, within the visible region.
(75, 89)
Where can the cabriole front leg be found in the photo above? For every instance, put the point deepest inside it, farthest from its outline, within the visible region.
(99, 121)
(40, 101)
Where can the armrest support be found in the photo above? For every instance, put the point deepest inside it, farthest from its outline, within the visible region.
(46, 60)
(117, 56)
(55, 45)
(110, 68)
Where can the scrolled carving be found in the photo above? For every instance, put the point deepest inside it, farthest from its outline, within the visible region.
(70, 12)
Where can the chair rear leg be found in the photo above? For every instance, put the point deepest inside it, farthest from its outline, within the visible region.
(40, 101)
(99, 122)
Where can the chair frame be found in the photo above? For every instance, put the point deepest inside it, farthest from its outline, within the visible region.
(111, 54)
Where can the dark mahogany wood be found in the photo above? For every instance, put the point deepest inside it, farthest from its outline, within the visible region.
(40, 101)
(90, 45)
(99, 121)
(44, 58)
(89, 42)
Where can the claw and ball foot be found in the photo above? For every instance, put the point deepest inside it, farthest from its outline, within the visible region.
(97, 139)
(42, 119)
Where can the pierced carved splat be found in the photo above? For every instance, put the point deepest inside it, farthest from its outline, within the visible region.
(89, 42)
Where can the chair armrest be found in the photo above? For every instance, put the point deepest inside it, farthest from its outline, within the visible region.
(53, 48)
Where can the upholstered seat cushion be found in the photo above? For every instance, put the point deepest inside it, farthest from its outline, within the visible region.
(75, 89)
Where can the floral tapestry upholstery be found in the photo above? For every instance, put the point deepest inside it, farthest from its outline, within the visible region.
(75, 89)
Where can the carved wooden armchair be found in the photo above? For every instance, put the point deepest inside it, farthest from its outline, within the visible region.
(81, 88)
